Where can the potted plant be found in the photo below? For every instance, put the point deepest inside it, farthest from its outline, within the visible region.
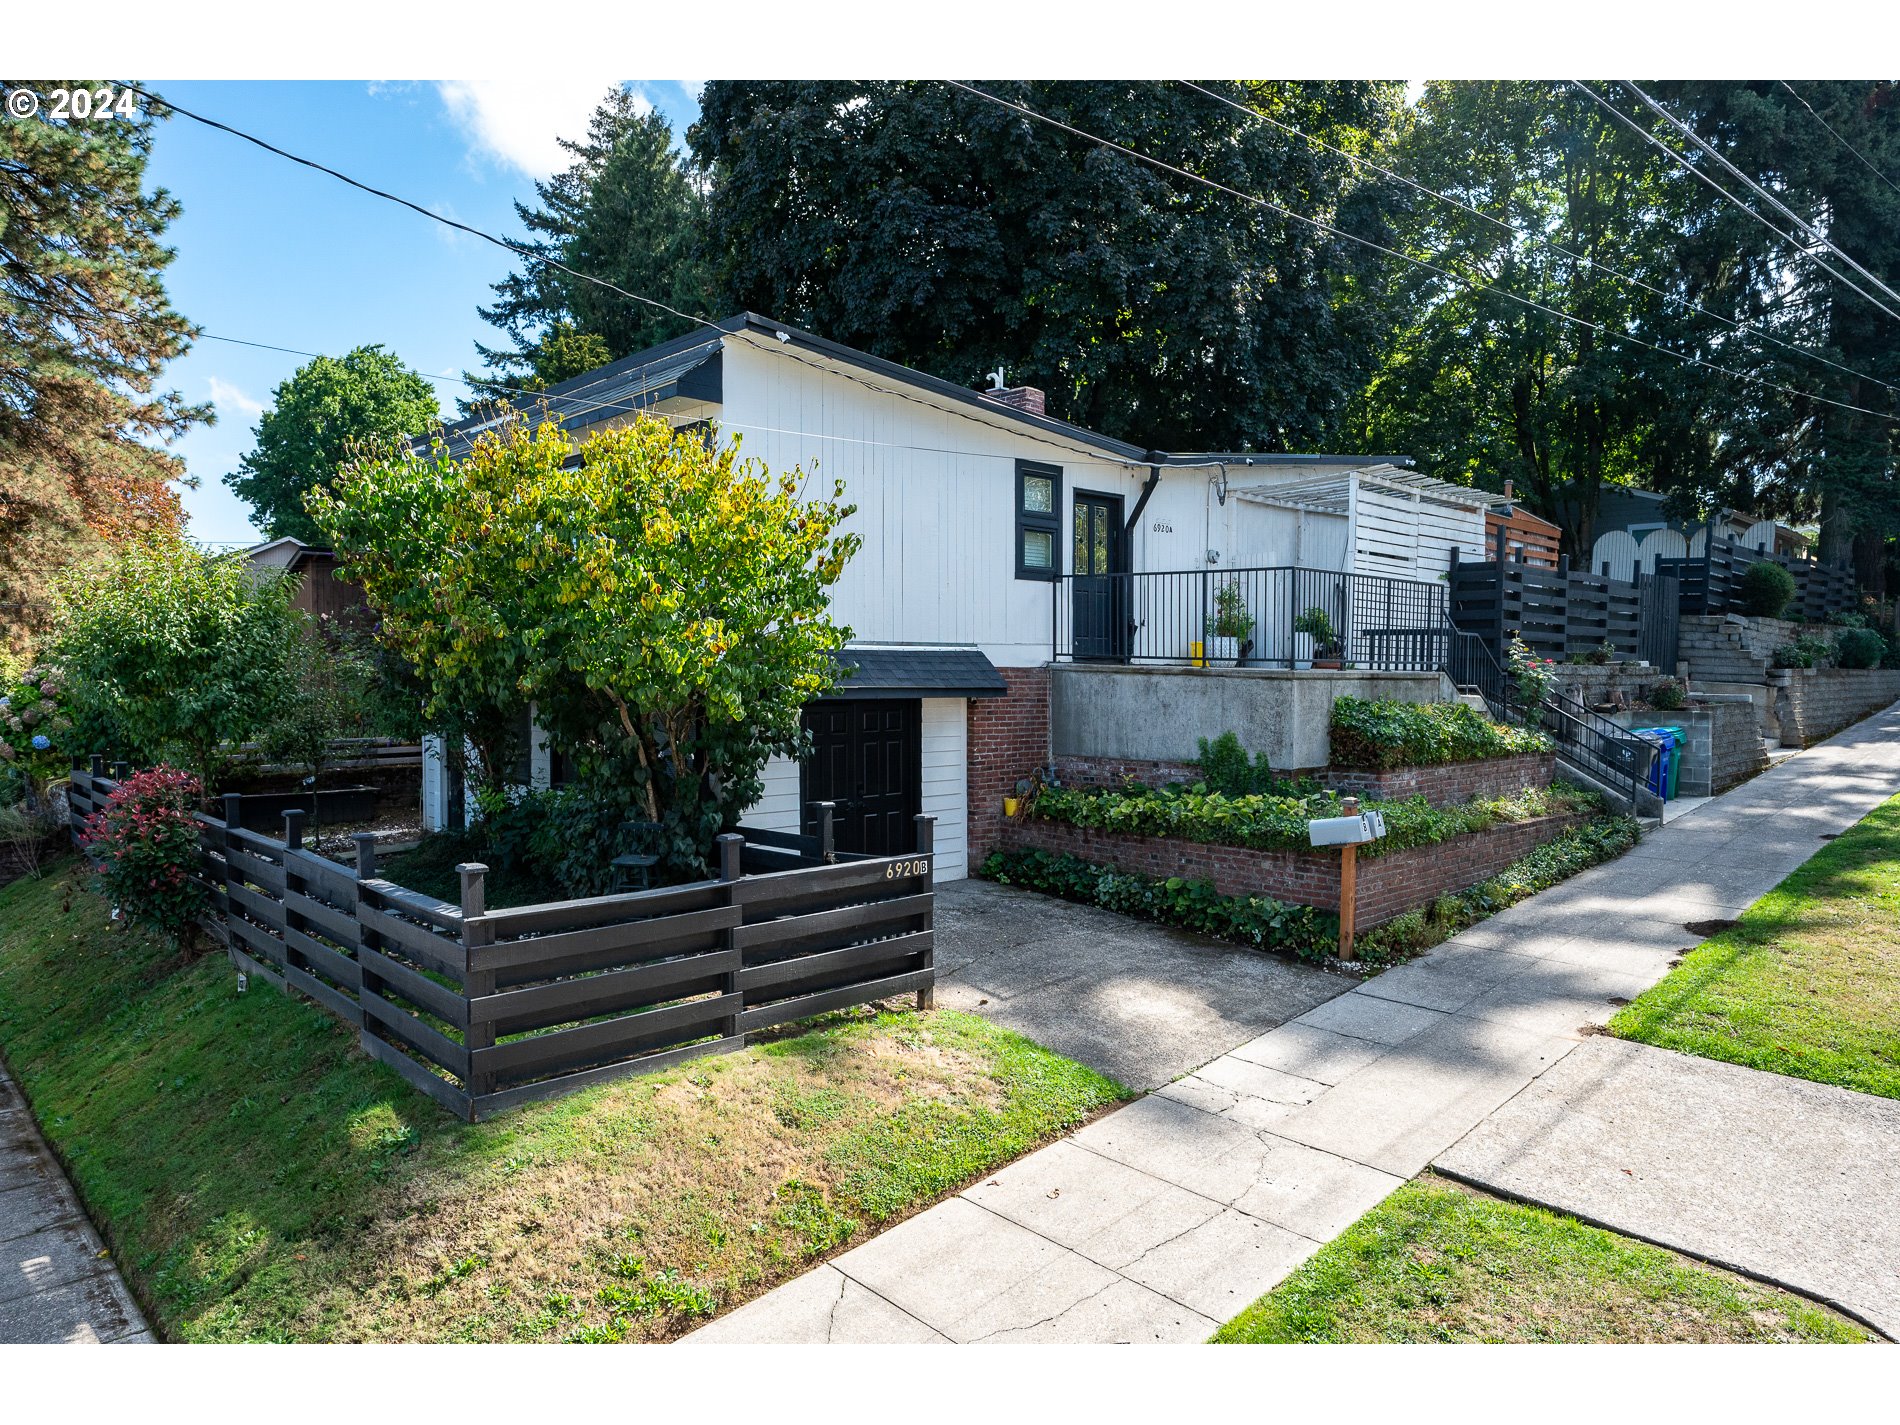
(1322, 640)
(1228, 624)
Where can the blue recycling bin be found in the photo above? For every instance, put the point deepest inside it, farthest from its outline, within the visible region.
(1663, 769)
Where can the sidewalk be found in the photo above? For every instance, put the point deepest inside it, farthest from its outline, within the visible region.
(1164, 1219)
(56, 1284)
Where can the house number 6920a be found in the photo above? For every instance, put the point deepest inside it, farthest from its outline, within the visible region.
(897, 870)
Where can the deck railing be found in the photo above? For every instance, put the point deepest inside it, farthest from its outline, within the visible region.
(1169, 617)
(482, 1009)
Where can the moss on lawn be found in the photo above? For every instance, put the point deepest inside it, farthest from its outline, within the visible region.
(259, 1179)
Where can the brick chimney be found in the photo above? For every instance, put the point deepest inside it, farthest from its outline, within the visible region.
(1017, 398)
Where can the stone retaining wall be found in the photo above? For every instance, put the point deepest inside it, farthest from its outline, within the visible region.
(1389, 885)
(1815, 703)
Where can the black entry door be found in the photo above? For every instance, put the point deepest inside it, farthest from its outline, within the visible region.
(1100, 584)
(866, 758)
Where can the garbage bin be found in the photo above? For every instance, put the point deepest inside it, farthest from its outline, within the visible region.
(1662, 772)
(1681, 734)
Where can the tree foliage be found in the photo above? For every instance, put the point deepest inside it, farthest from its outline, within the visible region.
(940, 230)
(660, 603)
(625, 211)
(318, 419)
(169, 653)
(85, 329)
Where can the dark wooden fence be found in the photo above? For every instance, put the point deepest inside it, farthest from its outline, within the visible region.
(1711, 581)
(1562, 613)
(484, 1009)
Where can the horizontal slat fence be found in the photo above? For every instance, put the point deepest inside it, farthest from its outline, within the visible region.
(485, 1009)
(1711, 581)
(1564, 613)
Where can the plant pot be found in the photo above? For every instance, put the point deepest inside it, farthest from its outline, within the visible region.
(1220, 650)
(1302, 650)
(1327, 663)
(1011, 805)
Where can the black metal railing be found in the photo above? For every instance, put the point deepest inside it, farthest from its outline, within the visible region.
(1223, 617)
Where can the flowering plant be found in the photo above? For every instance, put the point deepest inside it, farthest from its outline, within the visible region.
(145, 839)
(33, 723)
(1534, 678)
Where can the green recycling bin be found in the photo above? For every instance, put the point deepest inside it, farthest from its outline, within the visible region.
(1675, 756)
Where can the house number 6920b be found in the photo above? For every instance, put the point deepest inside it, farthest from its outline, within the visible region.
(897, 870)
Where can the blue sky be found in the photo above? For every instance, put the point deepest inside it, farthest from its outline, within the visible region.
(275, 253)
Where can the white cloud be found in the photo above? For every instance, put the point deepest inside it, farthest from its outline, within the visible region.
(516, 122)
(231, 400)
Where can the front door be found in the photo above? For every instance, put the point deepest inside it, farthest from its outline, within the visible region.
(866, 759)
(1100, 584)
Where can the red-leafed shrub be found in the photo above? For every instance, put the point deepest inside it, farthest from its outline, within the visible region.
(145, 839)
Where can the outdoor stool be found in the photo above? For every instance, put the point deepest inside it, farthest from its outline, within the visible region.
(636, 863)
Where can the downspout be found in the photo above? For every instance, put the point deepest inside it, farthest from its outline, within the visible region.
(1141, 503)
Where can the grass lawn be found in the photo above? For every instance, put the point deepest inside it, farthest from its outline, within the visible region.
(1807, 983)
(1436, 1263)
(257, 1178)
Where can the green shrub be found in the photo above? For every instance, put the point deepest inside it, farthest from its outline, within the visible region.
(1226, 769)
(1766, 589)
(145, 839)
(1380, 735)
(1667, 696)
(1807, 651)
(1259, 921)
(1277, 821)
(1859, 648)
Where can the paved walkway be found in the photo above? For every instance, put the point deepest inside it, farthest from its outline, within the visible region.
(1160, 1221)
(1141, 1002)
(56, 1283)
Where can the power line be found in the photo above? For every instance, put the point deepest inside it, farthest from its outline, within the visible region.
(1743, 327)
(1791, 239)
(1326, 227)
(1800, 222)
(1867, 162)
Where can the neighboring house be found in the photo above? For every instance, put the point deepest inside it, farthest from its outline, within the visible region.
(320, 591)
(1527, 538)
(1635, 529)
(972, 507)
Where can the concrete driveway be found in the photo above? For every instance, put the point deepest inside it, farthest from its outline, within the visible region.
(1142, 1003)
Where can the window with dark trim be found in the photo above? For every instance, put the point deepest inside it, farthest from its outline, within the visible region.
(1038, 520)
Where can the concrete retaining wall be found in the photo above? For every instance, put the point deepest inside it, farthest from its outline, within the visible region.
(1815, 703)
(1723, 747)
(1157, 714)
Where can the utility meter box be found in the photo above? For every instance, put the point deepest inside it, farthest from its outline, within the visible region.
(1346, 830)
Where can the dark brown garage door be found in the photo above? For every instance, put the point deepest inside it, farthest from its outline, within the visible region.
(867, 759)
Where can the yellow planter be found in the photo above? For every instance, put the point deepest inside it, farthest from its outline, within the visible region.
(1010, 804)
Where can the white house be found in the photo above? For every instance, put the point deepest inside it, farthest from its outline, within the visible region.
(972, 507)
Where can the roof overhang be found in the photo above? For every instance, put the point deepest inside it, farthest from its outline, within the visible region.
(916, 673)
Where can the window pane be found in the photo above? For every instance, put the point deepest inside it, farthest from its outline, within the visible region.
(1039, 549)
(1079, 550)
(1101, 539)
(1039, 495)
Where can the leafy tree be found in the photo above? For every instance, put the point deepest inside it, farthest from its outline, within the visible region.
(319, 416)
(85, 329)
(625, 211)
(169, 653)
(661, 604)
(938, 229)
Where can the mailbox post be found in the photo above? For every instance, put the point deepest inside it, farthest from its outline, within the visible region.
(1347, 832)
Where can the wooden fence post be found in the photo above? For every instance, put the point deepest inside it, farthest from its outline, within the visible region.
(121, 770)
(98, 764)
(926, 848)
(1348, 882)
(293, 885)
(728, 854)
(365, 854)
(477, 935)
(827, 832)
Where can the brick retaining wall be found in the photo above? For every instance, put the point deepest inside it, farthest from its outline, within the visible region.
(1389, 885)
(1444, 786)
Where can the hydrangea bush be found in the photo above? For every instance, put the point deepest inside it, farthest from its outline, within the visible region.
(34, 727)
(145, 839)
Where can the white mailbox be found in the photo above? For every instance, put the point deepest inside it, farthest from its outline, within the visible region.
(1346, 830)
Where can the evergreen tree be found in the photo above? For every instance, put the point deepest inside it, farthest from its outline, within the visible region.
(938, 229)
(625, 211)
(326, 412)
(85, 329)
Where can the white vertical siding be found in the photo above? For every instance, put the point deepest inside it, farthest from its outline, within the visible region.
(777, 808)
(435, 785)
(946, 788)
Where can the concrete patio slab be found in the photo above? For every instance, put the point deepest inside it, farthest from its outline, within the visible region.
(1777, 1177)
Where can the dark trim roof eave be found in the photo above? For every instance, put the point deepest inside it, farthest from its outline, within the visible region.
(916, 673)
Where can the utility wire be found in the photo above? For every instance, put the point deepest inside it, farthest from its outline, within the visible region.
(1800, 222)
(1323, 226)
(1792, 239)
(1744, 327)
(1867, 162)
